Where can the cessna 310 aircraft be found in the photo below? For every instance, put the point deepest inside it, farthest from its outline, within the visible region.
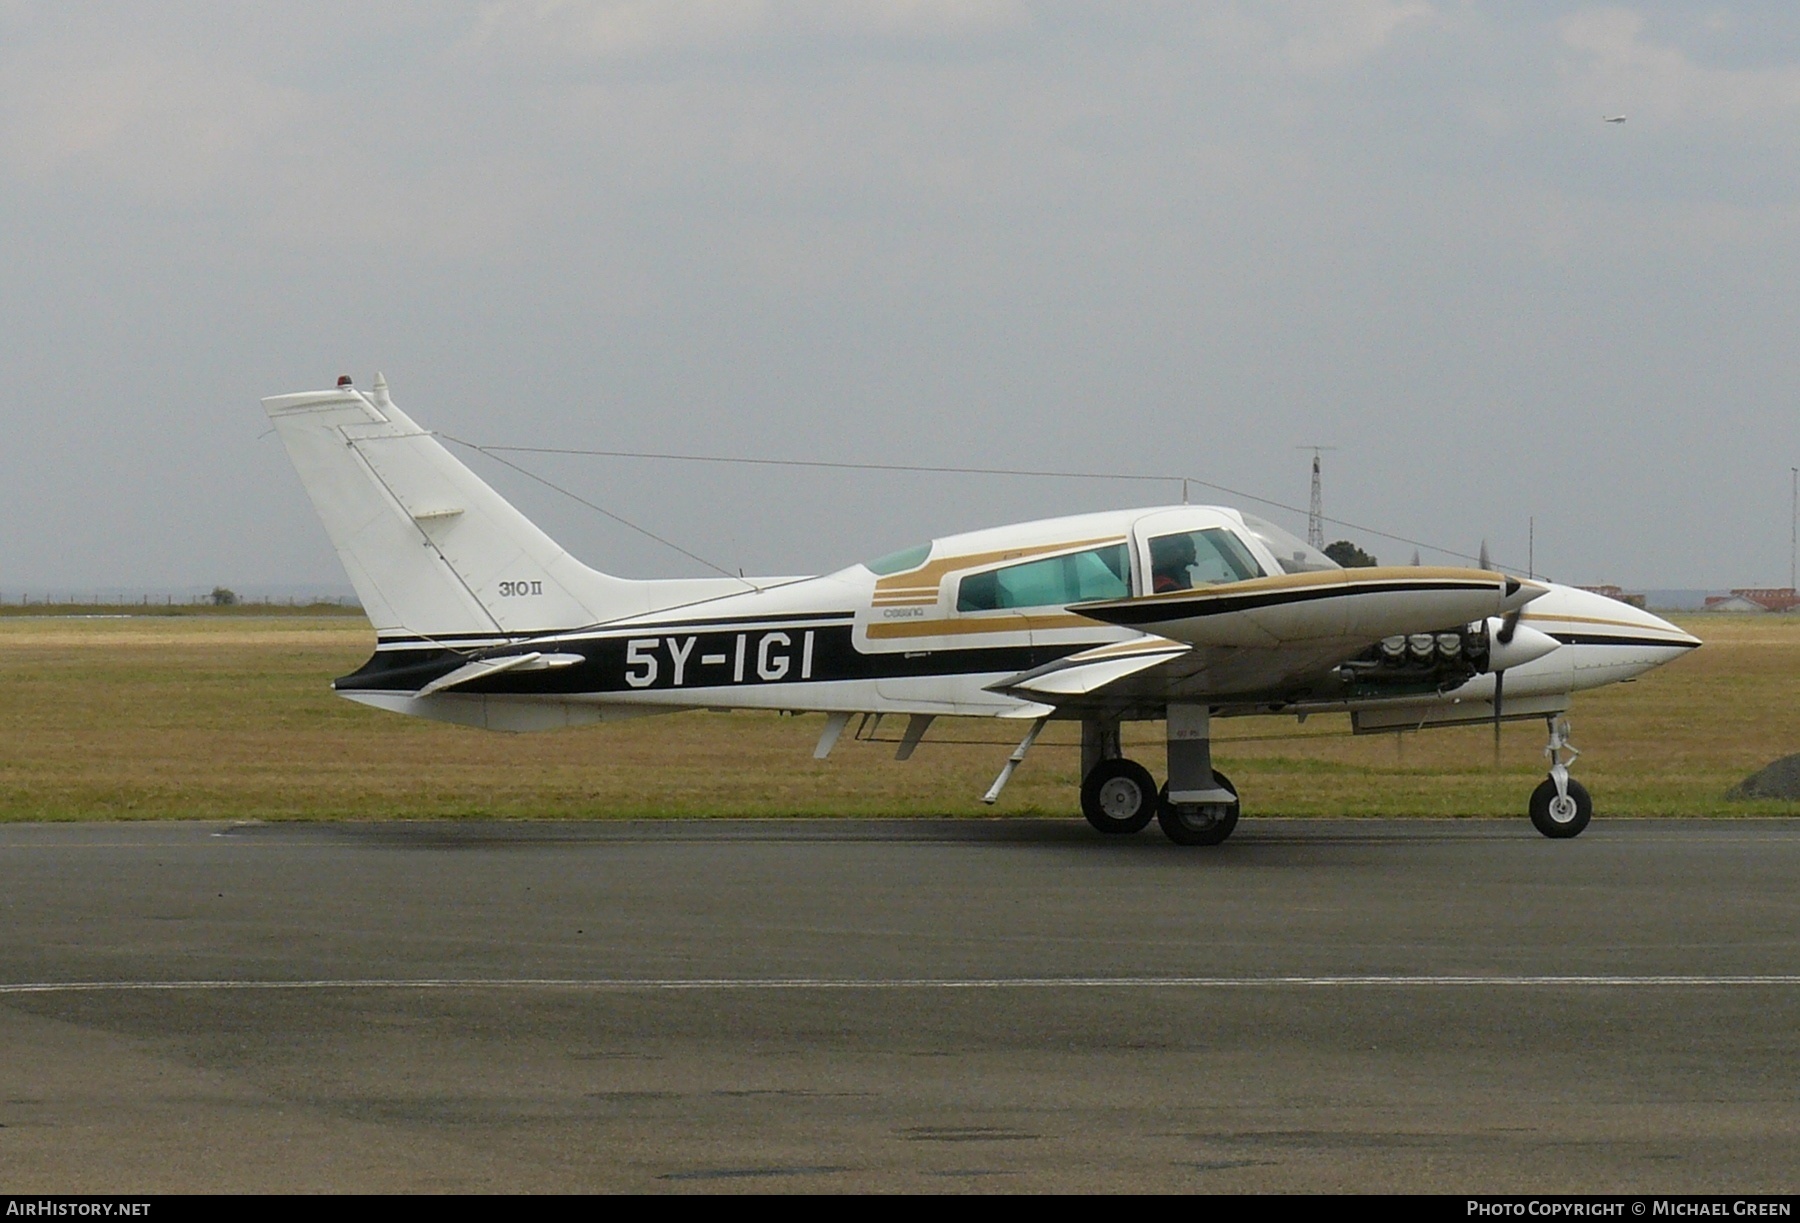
(1177, 613)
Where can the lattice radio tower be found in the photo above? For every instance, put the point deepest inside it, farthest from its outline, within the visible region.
(1315, 514)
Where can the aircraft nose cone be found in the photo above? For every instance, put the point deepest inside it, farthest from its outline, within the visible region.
(1683, 637)
(1616, 639)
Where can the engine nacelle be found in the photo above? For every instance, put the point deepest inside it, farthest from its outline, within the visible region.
(1440, 661)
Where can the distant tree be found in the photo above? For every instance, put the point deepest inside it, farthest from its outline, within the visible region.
(222, 597)
(1349, 555)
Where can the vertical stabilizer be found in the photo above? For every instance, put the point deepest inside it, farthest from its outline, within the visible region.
(431, 549)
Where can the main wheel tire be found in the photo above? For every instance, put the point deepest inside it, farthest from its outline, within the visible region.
(1118, 796)
(1561, 817)
(1198, 823)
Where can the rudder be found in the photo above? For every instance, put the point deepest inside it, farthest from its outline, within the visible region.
(431, 549)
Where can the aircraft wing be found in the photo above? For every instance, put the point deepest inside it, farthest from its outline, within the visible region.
(1267, 641)
(1091, 671)
(1155, 670)
(1346, 604)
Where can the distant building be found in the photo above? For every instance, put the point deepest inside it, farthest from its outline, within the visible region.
(1756, 599)
(1615, 592)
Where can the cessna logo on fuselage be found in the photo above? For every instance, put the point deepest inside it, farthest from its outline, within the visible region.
(711, 659)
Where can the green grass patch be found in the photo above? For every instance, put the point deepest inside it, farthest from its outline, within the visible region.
(112, 611)
(228, 714)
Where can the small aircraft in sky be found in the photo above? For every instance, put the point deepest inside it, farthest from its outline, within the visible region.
(1177, 614)
(1612, 118)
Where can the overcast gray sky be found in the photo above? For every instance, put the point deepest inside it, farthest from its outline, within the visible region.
(1136, 237)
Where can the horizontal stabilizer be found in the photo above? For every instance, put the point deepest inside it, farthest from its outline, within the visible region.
(494, 666)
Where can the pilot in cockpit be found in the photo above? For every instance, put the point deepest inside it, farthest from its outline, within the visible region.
(1172, 563)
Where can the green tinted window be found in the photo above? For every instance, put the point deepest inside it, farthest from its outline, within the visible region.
(898, 562)
(1103, 573)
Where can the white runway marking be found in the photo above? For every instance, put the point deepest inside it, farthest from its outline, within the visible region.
(753, 984)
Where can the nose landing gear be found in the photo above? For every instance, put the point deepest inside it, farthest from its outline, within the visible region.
(1560, 806)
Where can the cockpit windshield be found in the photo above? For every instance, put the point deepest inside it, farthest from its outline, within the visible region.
(1293, 555)
(1208, 557)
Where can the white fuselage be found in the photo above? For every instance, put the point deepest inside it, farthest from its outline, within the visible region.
(909, 640)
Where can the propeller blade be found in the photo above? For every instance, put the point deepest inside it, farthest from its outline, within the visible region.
(1482, 561)
(1508, 627)
(1499, 685)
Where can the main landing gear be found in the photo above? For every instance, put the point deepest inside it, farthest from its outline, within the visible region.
(1198, 806)
(1560, 806)
(1118, 796)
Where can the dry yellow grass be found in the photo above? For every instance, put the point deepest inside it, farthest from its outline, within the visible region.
(232, 717)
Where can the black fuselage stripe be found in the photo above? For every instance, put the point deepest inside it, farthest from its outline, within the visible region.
(753, 654)
(1611, 639)
(1162, 610)
(656, 659)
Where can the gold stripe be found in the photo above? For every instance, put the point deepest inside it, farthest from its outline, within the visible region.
(957, 628)
(1127, 649)
(1641, 627)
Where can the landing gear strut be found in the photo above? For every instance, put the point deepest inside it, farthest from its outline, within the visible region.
(1560, 806)
(1198, 806)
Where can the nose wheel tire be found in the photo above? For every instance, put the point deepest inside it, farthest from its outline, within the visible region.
(1119, 796)
(1556, 816)
(1198, 823)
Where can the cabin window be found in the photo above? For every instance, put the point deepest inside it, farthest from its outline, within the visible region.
(1101, 573)
(1199, 558)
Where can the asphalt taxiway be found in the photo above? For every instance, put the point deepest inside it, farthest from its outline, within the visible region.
(926, 1005)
